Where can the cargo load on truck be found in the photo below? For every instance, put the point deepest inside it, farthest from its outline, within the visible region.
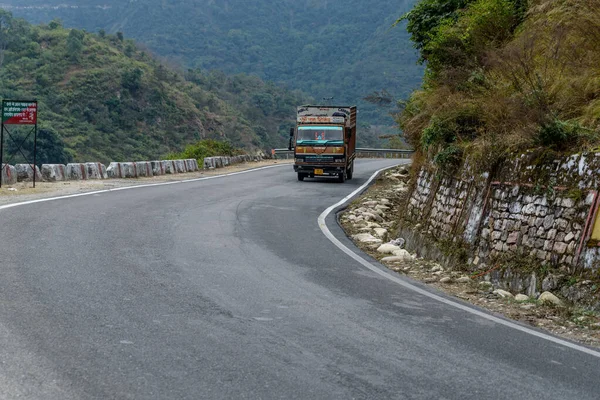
(324, 142)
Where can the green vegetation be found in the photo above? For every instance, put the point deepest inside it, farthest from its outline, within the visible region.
(205, 148)
(103, 98)
(504, 76)
(327, 48)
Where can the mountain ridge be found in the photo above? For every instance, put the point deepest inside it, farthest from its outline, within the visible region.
(327, 48)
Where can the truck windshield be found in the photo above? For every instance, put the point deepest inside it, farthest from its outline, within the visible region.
(320, 135)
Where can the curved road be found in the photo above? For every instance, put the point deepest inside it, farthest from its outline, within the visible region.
(227, 289)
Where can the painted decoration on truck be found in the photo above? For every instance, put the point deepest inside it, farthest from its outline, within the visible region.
(311, 111)
(321, 119)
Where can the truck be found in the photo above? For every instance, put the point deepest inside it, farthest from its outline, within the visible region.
(324, 141)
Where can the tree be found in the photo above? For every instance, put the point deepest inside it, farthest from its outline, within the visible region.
(75, 45)
(5, 22)
(132, 79)
(427, 15)
(55, 24)
(50, 148)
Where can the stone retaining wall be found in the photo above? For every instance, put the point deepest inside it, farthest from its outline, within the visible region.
(540, 209)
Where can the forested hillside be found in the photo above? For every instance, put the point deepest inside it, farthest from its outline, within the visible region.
(102, 98)
(327, 48)
(505, 76)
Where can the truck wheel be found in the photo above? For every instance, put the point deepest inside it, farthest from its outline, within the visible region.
(341, 177)
(300, 176)
(350, 171)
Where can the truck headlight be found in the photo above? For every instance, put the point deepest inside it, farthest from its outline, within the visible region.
(298, 160)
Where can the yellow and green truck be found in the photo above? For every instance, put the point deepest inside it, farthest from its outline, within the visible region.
(324, 141)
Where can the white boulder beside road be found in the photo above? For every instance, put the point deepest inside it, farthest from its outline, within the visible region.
(387, 248)
(550, 299)
(366, 238)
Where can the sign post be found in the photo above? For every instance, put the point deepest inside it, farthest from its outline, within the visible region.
(19, 112)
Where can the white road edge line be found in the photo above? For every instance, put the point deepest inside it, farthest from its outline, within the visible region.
(22, 203)
(396, 279)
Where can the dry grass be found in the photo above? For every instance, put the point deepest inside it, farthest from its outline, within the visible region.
(548, 73)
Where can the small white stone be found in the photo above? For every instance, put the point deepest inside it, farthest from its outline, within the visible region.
(463, 279)
(569, 237)
(503, 293)
(380, 232)
(446, 279)
(404, 254)
(368, 216)
(549, 298)
(366, 238)
(521, 297)
(528, 306)
(392, 259)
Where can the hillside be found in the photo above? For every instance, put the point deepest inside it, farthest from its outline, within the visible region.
(326, 48)
(102, 98)
(505, 76)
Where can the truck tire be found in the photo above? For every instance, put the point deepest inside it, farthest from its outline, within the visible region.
(350, 171)
(300, 176)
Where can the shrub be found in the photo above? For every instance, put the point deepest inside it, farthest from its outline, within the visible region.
(205, 148)
(503, 78)
(449, 158)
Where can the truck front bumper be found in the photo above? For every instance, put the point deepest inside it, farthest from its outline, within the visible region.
(320, 170)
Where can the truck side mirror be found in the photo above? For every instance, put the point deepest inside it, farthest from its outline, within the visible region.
(291, 138)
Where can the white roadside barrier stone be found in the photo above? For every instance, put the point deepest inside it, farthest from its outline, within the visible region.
(170, 167)
(209, 163)
(54, 172)
(114, 170)
(191, 164)
(129, 170)
(96, 170)
(9, 174)
(144, 169)
(76, 172)
(158, 167)
(180, 166)
(25, 173)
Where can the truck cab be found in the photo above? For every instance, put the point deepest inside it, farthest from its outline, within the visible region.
(324, 141)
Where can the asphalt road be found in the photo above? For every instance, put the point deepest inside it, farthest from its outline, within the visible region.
(227, 289)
